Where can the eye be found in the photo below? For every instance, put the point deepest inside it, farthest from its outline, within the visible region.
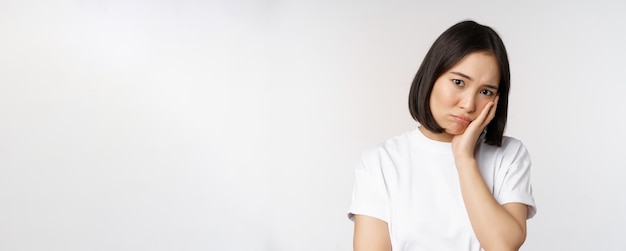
(487, 92)
(458, 82)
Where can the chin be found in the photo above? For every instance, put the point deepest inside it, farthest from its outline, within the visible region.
(455, 130)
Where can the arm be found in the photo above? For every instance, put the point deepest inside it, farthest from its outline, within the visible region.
(497, 227)
(370, 234)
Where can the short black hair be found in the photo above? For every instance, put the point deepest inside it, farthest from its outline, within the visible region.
(450, 47)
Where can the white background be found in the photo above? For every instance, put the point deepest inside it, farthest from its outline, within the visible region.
(236, 125)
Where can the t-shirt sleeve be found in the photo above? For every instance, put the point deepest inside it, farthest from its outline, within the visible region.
(369, 195)
(516, 186)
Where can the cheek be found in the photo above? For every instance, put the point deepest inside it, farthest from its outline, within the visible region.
(445, 97)
(481, 105)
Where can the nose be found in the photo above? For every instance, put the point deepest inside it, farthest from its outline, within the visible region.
(468, 102)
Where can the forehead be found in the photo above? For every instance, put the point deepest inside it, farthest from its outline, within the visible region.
(481, 67)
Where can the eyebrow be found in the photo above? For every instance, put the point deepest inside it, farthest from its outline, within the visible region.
(468, 77)
(461, 74)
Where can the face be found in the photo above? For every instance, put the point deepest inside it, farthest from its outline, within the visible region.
(461, 93)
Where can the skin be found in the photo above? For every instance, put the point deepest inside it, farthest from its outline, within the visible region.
(463, 101)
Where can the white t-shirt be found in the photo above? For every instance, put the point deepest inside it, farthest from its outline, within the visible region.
(411, 182)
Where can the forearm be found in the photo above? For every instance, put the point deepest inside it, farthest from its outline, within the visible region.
(495, 227)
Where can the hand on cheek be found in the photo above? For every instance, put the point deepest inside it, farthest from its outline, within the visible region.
(463, 144)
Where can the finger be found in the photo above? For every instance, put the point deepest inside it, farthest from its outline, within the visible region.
(484, 114)
(478, 123)
(492, 111)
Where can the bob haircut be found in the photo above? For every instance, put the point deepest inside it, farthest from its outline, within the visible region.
(450, 47)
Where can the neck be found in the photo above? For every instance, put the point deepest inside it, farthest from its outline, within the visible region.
(443, 137)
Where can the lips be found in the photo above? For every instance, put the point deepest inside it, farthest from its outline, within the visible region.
(462, 120)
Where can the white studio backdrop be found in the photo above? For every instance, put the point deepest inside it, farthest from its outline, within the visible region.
(236, 125)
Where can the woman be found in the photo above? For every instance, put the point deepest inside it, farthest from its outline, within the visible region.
(455, 182)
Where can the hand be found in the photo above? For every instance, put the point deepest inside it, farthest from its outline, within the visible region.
(463, 144)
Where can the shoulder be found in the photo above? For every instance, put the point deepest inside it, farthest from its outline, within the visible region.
(512, 150)
(509, 142)
(512, 145)
(391, 149)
